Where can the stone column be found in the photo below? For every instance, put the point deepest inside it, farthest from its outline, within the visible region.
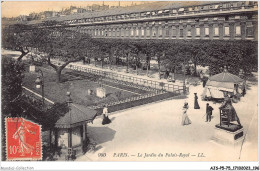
(243, 30)
(211, 31)
(231, 31)
(221, 31)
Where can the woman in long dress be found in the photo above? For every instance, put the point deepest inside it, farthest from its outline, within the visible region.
(24, 147)
(185, 119)
(106, 120)
(196, 104)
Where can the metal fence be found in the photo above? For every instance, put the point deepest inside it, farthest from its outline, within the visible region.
(130, 79)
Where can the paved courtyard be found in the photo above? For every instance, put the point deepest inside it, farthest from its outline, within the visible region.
(156, 128)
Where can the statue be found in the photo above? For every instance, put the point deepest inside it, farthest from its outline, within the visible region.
(226, 132)
(229, 110)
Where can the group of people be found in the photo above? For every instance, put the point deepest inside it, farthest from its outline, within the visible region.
(186, 120)
(227, 105)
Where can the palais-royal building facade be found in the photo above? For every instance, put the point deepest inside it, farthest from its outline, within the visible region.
(225, 20)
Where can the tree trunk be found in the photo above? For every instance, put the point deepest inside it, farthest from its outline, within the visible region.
(110, 63)
(136, 67)
(127, 61)
(159, 67)
(58, 72)
(50, 140)
(147, 68)
(195, 68)
(101, 63)
(22, 55)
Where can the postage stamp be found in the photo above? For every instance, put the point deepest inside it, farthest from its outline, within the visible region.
(23, 139)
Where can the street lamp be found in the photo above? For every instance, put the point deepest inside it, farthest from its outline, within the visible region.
(39, 82)
(70, 149)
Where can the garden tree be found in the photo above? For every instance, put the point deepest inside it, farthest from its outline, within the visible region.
(126, 47)
(148, 48)
(134, 55)
(234, 54)
(12, 75)
(160, 54)
(18, 37)
(198, 55)
(64, 45)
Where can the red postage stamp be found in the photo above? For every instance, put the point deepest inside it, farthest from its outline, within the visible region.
(23, 139)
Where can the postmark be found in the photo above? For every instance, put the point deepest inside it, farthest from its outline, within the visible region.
(23, 139)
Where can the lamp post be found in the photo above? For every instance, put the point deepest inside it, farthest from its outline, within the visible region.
(70, 149)
(40, 84)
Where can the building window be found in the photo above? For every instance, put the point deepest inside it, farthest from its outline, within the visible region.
(216, 31)
(237, 17)
(238, 30)
(226, 31)
(189, 33)
(118, 32)
(132, 32)
(114, 32)
(174, 32)
(122, 32)
(127, 32)
(249, 31)
(197, 31)
(226, 18)
(206, 31)
(142, 31)
(166, 32)
(154, 32)
(160, 31)
(148, 32)
(181, 32)
(137, 32)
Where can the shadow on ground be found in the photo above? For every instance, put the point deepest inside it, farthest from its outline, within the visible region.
(101, 134)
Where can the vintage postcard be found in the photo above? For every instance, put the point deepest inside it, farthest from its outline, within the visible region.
(132, 81)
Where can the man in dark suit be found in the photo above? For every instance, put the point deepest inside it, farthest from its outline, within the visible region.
(209, 112)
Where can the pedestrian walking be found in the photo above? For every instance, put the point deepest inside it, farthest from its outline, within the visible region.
(196, 104)
(106, 120)
(243, 88)
(185, 119)
(209, 112)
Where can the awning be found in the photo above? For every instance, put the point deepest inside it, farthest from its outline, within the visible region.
(226, 77)
(77, 115)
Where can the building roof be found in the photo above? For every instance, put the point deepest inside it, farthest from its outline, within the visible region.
(161, 5)
(225, 77)
(76, 116)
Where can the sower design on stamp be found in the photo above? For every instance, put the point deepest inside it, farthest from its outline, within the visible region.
(23, 139)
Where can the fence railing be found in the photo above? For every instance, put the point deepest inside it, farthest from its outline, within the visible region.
(130, 99)
(130, 79)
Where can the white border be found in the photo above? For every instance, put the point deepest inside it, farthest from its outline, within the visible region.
(125, 165)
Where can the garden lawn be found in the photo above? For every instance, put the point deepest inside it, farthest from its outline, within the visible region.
(76, 85)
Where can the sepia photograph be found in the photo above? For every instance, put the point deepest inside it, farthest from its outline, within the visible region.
(129, 81)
